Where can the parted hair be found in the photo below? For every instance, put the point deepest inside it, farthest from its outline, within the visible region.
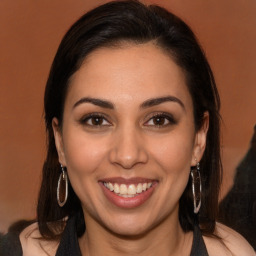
(110, 25)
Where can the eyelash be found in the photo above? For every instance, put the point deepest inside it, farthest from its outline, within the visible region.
(166, 118)
(94, 116)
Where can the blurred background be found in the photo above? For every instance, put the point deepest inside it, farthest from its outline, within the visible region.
(30, 32)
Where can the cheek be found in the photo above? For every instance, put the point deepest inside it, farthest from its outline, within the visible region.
(83, 153)
(173, 153)
(174, 158)
(84, 156)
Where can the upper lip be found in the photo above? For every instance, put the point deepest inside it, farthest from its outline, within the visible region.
(121, 180)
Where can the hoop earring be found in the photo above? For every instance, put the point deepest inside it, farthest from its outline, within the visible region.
(196, 187)
(63, 178)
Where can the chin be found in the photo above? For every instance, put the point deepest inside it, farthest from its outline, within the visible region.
(129, 226)
(128, 230)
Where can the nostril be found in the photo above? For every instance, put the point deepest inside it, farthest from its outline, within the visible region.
(128, 147)
(128, 158)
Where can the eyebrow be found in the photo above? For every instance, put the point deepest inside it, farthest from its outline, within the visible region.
(157, 101)
(97, 102)
(146, 104)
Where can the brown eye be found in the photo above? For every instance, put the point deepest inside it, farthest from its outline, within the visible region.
(160, 120)
(95, 120)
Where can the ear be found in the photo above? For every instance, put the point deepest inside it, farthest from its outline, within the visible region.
(58, 141)
(200, 141)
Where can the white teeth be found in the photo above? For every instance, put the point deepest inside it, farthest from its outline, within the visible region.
(126, 196)
(116, 188)
(139, 188)
(130, 191)
(123, 189)
(144, 186)
(110, 186)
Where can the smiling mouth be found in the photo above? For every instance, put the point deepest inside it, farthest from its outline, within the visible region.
(127, 191)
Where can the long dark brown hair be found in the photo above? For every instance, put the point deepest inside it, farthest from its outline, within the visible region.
(107, 26)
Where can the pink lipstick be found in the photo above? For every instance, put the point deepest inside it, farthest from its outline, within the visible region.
(128, 193)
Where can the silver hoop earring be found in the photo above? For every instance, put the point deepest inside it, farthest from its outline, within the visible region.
(196, 187)
(63, 178)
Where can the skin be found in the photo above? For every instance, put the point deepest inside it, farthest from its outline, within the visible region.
(130, 142)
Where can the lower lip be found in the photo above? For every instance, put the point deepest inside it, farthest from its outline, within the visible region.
(129, 202)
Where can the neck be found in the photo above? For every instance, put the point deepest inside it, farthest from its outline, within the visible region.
(166, 239)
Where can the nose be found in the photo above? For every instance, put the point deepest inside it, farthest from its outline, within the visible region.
(128, 149)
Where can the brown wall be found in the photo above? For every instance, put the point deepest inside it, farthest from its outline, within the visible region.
(30, 32)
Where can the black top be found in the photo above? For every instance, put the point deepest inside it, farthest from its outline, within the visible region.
(10, 244)
(238, 208)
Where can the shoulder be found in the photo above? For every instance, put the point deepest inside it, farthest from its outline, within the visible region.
(33, 244)
(231, 243)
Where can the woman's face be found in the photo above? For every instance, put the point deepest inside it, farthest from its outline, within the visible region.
(128, 126)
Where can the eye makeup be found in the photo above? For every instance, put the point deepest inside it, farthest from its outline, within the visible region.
(160, 120)
(95, 120)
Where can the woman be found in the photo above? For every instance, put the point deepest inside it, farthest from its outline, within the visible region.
(133, 164)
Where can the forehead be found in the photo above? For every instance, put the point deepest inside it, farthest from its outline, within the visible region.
(129, 74)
